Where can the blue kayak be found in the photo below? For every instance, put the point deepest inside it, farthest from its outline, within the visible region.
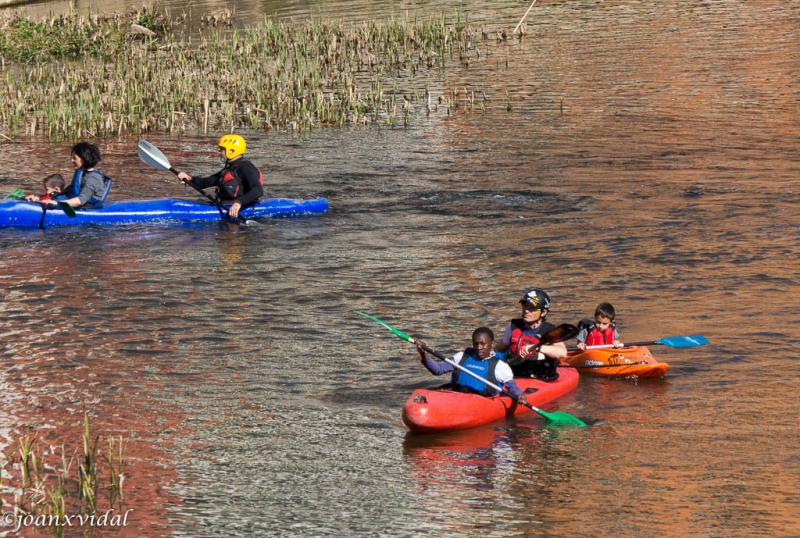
(19, 213)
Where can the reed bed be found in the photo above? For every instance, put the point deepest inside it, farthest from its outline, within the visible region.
(48, 484)
(134, 73)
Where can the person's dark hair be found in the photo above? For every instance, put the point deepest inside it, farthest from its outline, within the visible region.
(483, 330)
(605, 310)
(88, 153)
(55, 181)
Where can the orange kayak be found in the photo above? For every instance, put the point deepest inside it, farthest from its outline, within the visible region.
(437, 410)
(634, 361)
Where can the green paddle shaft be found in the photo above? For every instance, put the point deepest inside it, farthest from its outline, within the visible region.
(563, 418)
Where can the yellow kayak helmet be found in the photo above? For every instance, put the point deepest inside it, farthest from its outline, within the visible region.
(234, 145)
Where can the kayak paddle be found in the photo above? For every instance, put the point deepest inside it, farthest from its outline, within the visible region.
(64, 206)
(562, 332)
(152, 156)
(558, 417)
(693, 340)
(68, 209)
(559, 333)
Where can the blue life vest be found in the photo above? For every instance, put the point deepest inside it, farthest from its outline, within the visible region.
(75, 188)
(466, 383)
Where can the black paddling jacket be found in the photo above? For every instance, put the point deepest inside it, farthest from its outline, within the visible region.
(239, 181)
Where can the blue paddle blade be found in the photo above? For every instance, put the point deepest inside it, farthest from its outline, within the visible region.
(683, 341)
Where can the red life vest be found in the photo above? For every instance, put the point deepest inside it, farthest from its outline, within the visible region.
(598, 338)
(517, 328)
(231, 187)
(521, 336)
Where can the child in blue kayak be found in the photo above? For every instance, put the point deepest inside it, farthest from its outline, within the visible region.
(480, 359)
(600, 332)
(89, 187)
(53, 186)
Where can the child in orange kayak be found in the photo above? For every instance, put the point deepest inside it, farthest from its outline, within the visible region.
(600, 332)
(480, 359)
(53, 186)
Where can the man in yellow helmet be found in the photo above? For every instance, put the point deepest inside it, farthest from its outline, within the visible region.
(239, 181)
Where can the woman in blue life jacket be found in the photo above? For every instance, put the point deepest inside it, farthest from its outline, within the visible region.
(479, 359)
(239, 181)
(89, 187)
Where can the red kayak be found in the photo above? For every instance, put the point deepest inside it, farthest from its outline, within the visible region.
(437, 410)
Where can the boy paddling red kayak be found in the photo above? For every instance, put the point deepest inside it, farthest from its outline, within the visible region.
(479, 359)
(454, 415)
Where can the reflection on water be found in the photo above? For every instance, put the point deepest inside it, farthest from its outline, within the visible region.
(255, 403)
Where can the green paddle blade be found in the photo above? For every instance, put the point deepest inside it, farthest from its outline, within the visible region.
(16, 195)
(560, 417)
(401, 334)
(68, 209)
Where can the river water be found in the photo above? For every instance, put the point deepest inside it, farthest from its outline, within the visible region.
(649, 158)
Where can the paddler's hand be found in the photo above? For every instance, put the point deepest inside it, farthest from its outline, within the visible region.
(582, 345)
(32, 198)
(234, 210)
(526, 352)
(522, 400)
(422, 353)
(183, 177)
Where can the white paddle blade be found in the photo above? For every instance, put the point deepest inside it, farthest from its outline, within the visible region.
(150, 155)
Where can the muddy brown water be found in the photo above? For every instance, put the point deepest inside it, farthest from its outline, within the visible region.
(649, 159)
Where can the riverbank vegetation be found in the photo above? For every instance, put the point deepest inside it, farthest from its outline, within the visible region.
(73, 76)
(48, 487)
